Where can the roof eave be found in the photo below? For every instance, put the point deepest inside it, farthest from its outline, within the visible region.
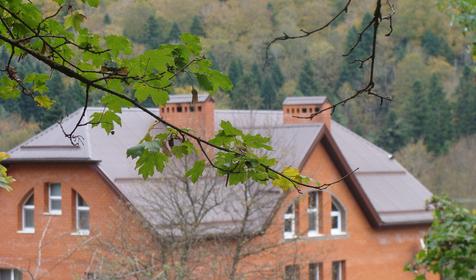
(50, 160)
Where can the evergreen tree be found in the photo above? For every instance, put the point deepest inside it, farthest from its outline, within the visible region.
(438, 126)
(197, 27)
(268, 94)
(235, 71)
(214, 61)
(436, 46)
(277, 75)
(465, 107)
(245, 95)
(307, 84)
(256, 74)
(392, 137)
(415, 112)
(351, 72)
(56, 90)
(153, 33)
(174, 35)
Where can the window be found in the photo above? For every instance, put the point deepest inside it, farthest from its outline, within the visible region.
(290, 222)
(10, 274)
(82, 215)
(291, 272)
(315, 271)
(54, 197)
(338, 270)
(337, 217)
(313, 213)
(28, 214)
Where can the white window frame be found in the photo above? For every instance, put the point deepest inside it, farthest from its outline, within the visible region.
(340, 270)
(54, 197)
(313, 210)
(317, 273)
(84, 209)
(12, 272)
(290, 216)
(25, 207)
(339, 215)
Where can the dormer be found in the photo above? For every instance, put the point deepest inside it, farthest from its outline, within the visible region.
(297, 108)
(198, 116)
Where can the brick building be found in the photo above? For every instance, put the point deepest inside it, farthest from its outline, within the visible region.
(366, 226)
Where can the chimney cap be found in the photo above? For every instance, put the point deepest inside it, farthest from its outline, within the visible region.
(304, 100)
(187, 98)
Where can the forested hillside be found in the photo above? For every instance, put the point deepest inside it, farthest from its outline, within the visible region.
(425, 66)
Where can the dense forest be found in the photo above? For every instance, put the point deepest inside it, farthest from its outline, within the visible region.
(425, 66)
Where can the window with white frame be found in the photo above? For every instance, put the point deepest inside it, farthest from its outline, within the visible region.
(337, 218)
(291, 272)
(315, 271)
(28, 214)
(290, 222)
(338, 270)
(82, 215)
(54, 198)
(313, 214)
(10, 274)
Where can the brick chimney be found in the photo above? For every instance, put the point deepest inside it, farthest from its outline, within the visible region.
(199, 117)
(303, 106)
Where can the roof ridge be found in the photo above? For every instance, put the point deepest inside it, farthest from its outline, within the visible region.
(44, 131)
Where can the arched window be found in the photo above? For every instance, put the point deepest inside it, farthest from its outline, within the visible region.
(28, 214)
(337, 217)
(82, 215)
(290, 222)
(313, 214)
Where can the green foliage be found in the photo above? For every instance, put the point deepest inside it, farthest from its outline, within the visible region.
(235, 71)
(450, 244)
(268, 95)
(465, 107)
(174, 34)
(5, 180)
(197, 27)
(392, 137)
(438, 129)
(308, 80)
(416, 110)
(436, 45)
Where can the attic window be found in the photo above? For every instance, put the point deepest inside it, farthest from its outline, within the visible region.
(199, 108)
(316, 109)
(287, 110)
(162, 109)
(337, 218)
(292, 110)
(179, 109)
(313, 214)
(297, 110)
(186, 109)
(168, 109)
(290, 222)
(192, 108)
(304, 110)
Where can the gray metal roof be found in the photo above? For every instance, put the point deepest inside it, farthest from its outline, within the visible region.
(186, 98)
(393, 192)
(304, 100)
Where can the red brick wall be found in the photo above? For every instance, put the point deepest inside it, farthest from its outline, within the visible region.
(291, 114)
(368, 253)
(200, 118)
(21, 249)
